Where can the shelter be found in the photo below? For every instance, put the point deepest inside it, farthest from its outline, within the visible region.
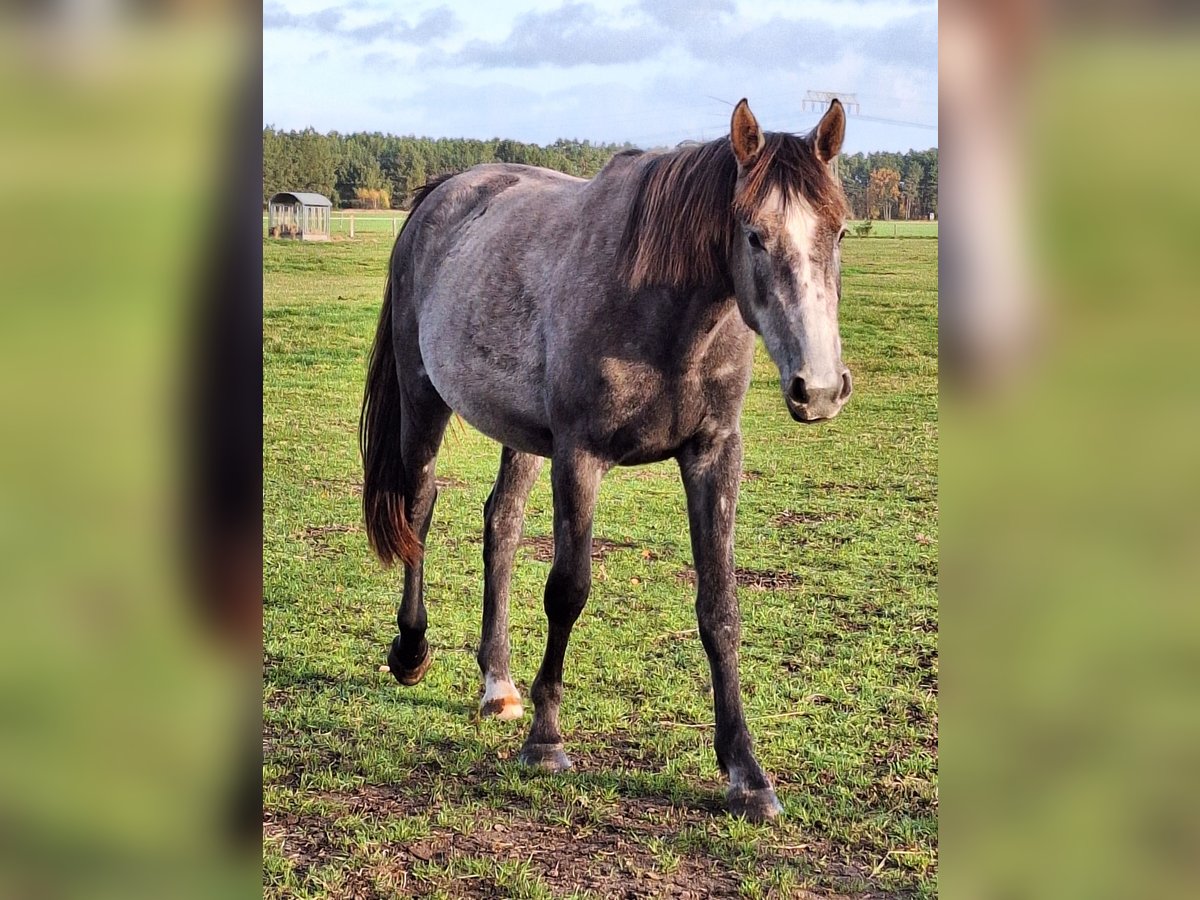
(302, 216)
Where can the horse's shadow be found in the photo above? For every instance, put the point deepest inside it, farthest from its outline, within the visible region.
(479, 762)
(483, 764)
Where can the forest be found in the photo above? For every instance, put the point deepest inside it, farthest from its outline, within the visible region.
(372, 170)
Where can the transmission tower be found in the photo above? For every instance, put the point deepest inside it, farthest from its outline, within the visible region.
(818, 101)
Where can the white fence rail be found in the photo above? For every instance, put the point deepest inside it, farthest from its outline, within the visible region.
(350, 224)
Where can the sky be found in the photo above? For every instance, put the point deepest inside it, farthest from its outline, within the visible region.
(651, 72)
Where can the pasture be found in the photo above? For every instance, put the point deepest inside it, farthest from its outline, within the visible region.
(372, 790)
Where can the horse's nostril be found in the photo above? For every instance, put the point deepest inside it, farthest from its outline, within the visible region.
(797, 392)
(847, 387)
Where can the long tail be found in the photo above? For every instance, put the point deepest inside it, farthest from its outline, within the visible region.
(379, 435)
(379, 439)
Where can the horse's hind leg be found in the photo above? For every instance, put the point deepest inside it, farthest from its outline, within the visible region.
(503, 520)
(423, 425)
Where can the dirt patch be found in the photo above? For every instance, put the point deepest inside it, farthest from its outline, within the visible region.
(651, 473)
(751, 475)
(317, 537)
(636, 843)
(337, 485)
(755, 579)
(790, 519)
(927, 664)
(304, 840)
(609, 860)
(542, 546)
(611, 856)
(355, 488)
(617, 753)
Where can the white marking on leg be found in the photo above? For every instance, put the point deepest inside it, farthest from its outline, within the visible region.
(505, 695)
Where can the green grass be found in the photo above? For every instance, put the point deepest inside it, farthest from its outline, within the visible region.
(916, 228)
(371, 789)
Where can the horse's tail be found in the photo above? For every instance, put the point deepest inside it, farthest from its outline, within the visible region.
(389, 531)
(379, 439)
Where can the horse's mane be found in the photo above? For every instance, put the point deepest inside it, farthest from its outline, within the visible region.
(681, 225)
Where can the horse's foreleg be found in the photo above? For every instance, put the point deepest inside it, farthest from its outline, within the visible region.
(575, 478)
(503, 520)
(423, 425)
(711, 468)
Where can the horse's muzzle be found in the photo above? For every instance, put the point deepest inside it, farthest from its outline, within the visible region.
(808, 402)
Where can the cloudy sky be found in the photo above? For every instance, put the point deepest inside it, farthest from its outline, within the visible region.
(653, 72)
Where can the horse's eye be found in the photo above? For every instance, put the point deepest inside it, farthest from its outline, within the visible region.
(755, 240)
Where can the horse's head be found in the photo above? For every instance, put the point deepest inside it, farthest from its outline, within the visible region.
(785, 263)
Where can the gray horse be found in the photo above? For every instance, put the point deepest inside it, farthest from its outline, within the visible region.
(602, 323)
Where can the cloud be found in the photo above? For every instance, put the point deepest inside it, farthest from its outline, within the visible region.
(911, 41)
(783, 44)
(683, 14)
(577, 33)
(648, 71)
(275, 16)
(778, 43)
(434, 25)
(570, 35)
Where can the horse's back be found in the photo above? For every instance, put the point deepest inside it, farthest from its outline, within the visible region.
(480, 254)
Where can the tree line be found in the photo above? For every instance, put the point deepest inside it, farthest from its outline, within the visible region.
(891, 185)
(373, 170)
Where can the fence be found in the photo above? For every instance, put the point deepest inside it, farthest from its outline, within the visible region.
(362, 222)
(900, 228)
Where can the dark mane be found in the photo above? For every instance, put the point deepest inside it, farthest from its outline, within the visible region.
(428, 188)
(681, 225)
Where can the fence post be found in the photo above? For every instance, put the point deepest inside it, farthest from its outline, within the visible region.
(393, 226)
(351, 224)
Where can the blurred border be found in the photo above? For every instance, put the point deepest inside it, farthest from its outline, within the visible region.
(1070, 434)
(130, 473)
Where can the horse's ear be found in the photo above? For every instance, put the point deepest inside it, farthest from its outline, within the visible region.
(827, 136)
(745, 135)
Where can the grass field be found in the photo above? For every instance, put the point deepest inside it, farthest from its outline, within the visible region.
(375, 790)
(916, 228)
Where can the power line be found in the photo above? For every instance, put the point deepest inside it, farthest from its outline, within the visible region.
(884, 121)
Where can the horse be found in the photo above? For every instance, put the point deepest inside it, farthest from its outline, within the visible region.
(600, 323)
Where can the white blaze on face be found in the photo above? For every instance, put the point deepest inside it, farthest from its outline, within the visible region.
(812, 315)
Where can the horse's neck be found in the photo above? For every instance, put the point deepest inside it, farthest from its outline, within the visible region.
(698, 317)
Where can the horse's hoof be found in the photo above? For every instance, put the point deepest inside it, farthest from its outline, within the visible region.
(501, 700)
(755, 806)
(408, 675)
(547, 757)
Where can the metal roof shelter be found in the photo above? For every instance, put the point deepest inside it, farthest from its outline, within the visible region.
(298, 215)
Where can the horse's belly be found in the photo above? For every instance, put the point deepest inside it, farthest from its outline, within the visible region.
(513, 428)
(495, 387)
